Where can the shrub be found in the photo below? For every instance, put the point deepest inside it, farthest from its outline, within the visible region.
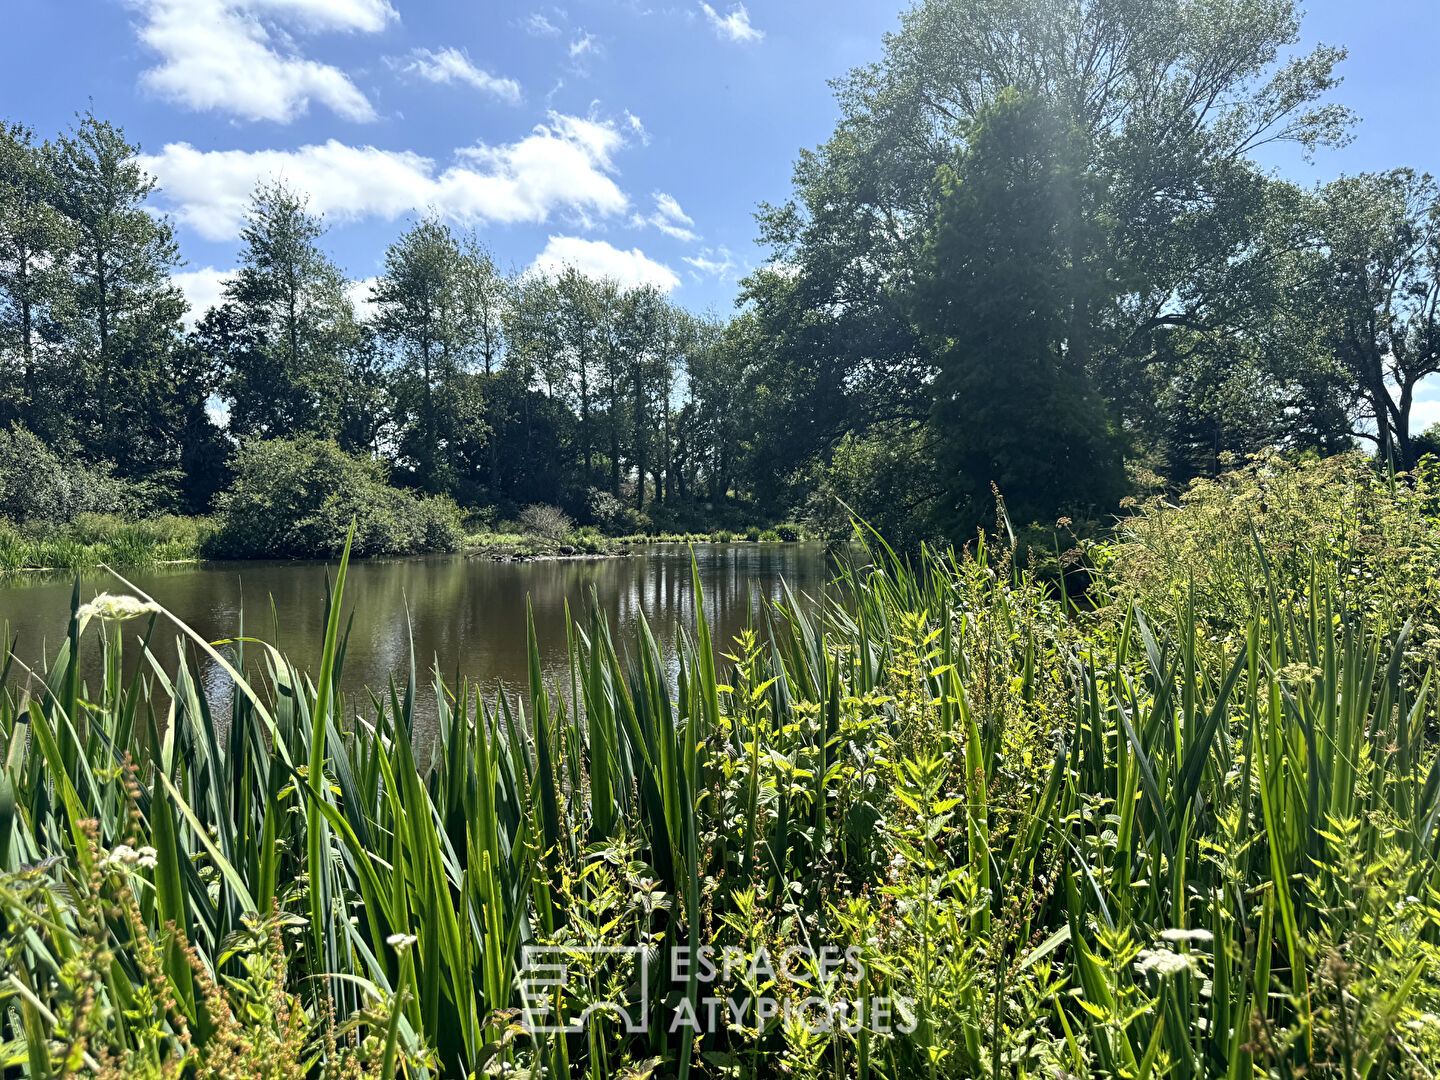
(39, 484)
(615, 518)
(883, 477)
(752, 533)
(789, 532)
(770, 536)
(296, 498)
(92, 539)
(606, 510)
(1427, 442)
(1376, 546)
(545, 522)
(589, 541)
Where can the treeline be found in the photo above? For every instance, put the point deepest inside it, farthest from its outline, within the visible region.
(1039, 247)
(486, 386)
(1038, 256)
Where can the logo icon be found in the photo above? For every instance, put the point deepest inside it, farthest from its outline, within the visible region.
(546, 973)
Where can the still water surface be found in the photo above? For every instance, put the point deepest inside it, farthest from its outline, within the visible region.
(466, 614)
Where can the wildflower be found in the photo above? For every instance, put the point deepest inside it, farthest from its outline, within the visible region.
(1202, 936)
(125, 855)
(1164, 962)
(114, 607)
(401, 941)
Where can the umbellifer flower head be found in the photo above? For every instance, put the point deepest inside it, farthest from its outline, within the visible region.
(117, 607)
(1164, 962)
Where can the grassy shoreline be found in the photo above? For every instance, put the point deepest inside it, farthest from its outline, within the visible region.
(95, 539)
(92, 539)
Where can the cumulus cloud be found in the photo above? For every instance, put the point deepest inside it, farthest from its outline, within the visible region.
(452, 67)
(563, 166)
(668, 218)
(713, 262)
(203, 290)
(596, 258)
(237, 56)
(733, 27)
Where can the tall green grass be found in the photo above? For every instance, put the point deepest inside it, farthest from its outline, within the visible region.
(101, 539)
(1083, 844)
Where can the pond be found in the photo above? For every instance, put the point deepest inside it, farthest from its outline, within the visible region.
(466, 614)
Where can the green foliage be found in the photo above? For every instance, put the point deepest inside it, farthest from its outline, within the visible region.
(286, 330)
(1372, 544)
(1010, 274)
(885, 478)
(296, 498)
(38, 484)
(93, 539)
(1083, 842)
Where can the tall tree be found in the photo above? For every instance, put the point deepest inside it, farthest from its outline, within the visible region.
(1008, 283)
(644, 315)
(578, 316)
(416, 305)
(611, 300)
(126, 309)
(1373, 294)
(36, 242)
(1168, 99)
(292, 327)
(720, 372)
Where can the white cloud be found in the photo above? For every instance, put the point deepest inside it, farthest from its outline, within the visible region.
(231, 56)
(538, 25)
(560, 167)
(583, 46)
(637, 128)
(734, 26)
(203, 290)
(596, 258)
(451, 66)
(713, 262)
(368, 16)
(1426, 409)
(668, 218)
(359, 294)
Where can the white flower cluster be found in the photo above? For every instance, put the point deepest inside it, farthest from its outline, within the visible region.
(117, 607)
(1164, 962)
(125, 856)
(1203, 937)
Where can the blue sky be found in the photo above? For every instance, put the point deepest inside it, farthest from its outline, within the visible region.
(631, 136)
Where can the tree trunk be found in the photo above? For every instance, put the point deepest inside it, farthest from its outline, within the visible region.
(585, 416)
(639, 440)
